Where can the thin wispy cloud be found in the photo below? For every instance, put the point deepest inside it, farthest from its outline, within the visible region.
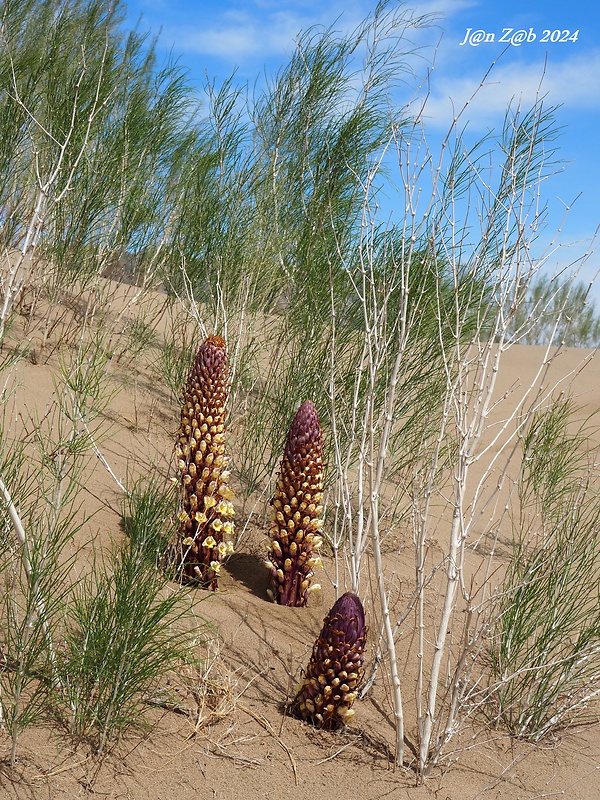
(260, 30)
(445, 8)
(265, 30)
(241, 35)
(573, 82)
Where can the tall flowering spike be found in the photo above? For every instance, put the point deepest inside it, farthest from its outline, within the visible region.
(206, 513)
(295, 532)
(335, 669)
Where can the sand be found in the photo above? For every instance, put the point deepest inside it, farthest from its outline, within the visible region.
(237, 739)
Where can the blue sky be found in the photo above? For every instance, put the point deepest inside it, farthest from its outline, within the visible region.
(257, 36)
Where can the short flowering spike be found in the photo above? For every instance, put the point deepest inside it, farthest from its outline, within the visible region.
(335, 669)
(206, 510)
(295, 532)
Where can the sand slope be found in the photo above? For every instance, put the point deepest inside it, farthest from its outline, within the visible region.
(237, 740)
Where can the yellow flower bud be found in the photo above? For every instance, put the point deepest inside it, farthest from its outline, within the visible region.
(222, 508)
(225, 491)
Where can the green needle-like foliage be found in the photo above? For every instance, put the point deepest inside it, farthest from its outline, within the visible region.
(124, 634)
(546, 653)
(147, 516)
(92, 136)
(562, 311)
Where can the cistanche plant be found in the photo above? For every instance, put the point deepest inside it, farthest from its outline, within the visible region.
(330, 685)
(206, 513)
(297, 512)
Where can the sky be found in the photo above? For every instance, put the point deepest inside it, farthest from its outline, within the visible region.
(531, 43)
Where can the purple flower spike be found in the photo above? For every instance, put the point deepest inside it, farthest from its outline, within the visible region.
(335, 669)
(295, 532)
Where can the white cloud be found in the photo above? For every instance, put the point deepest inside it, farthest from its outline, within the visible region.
(445, 7)
(574, 83)
(240, 35)
(261, 29)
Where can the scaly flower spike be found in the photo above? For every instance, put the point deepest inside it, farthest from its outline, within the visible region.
(335, 669)
(297, 510)
(206, 512)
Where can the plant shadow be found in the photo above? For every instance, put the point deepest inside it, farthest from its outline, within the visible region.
(250, 570)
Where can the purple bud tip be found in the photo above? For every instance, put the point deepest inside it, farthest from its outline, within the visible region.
(348, 614)
(211, 359)
(213, 350)
(304, 429)
(306, 415)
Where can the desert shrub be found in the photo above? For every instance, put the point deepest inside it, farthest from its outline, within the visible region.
(123, 635)
(546, 647)
(557, 311)
(149, 518)
(39, 500)
(92, 130)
